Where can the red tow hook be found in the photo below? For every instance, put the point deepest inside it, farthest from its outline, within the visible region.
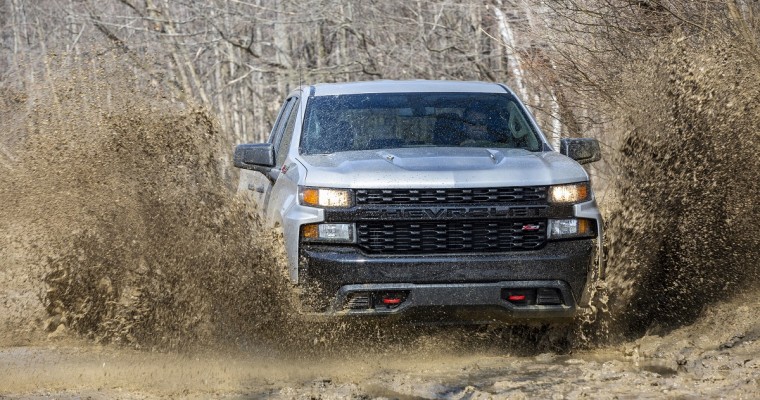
(391, 301)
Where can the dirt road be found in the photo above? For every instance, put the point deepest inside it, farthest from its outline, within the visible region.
(719, 357)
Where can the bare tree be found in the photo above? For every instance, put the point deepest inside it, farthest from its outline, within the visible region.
(239, 57)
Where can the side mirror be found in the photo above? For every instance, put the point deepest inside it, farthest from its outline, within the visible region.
(582, 150)
(256, 156)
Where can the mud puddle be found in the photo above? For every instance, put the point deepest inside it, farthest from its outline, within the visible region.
(717, 357)
(75, 369)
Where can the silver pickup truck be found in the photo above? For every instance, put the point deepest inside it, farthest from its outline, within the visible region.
(426, 200)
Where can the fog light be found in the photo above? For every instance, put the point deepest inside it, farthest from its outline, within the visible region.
(568, 228)
(342, 232)
(563, 227)
(328, 232)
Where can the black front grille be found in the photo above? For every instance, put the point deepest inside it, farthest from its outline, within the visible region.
(469, 236)
(531, 194)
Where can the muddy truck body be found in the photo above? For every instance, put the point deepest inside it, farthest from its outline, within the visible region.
(426, 200)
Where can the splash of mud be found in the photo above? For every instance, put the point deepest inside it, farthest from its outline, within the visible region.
(120, 195)
(683, 230)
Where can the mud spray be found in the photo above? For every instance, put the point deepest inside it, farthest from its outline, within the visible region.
(683, 227)
(117, 215)
(119, 220)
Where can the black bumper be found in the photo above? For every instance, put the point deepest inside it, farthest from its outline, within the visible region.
(462, 286)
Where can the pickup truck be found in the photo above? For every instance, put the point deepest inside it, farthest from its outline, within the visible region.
(426, 200)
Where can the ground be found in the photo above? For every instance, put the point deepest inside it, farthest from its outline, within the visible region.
(717, 357)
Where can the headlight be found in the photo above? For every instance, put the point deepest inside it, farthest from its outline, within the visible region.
(570, 228)
(328, 233)
(325, 197)
(572, 193)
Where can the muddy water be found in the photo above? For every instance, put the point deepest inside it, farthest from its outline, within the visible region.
(689, 363)
(129, 269)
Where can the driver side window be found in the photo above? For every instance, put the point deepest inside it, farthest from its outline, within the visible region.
(287, 135)
(280, 121)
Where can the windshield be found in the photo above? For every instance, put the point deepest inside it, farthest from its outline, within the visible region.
(392, 120)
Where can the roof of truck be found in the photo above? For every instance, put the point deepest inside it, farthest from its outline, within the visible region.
(388, 86)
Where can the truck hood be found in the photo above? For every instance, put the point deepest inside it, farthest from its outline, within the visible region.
(440, 167)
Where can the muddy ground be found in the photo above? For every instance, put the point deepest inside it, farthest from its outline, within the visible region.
(718, 357)
(127, 266)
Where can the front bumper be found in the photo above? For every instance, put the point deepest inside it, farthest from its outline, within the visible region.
(466, 286)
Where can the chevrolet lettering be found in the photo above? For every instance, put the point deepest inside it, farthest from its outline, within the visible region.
(451, 213)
